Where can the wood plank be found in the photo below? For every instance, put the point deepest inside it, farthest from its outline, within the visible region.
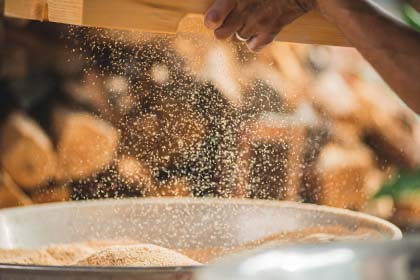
(165, 16)
(313, 29)
(178, 187)
(26, 9)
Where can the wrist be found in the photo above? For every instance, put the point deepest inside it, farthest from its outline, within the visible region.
(415, 4)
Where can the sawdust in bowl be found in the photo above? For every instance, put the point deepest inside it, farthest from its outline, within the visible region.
(137, 255)
(131, 253)
(98, 253)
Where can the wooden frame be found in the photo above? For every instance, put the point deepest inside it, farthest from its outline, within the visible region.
(26, 9)
(162, 16)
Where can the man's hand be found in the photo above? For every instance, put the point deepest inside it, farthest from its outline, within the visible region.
(256, 21)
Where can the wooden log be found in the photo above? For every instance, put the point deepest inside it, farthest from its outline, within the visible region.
(135, 175)
(164, 138)
(177, 187)
(51, 194)
(125, 177)
(407, 210)
(343, 174)
(392, 129)
(225, 79)
(335, 97)
(89, 93)
(140, 136)
(346, 133)
(10, 194)
(382, 207)
(26, 152)
(117, 91)
(182, 131)
(108, 97)
(281, 140)
(85, 144)
(166, 16)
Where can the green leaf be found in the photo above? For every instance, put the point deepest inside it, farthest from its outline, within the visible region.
(404, 181)
(412, 16)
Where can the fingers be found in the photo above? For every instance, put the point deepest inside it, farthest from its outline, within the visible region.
(232, 24)
(217, 14)
(258, 42)
(255, 21)
(248, 31)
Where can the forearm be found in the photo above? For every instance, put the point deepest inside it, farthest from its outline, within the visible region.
(392, 50)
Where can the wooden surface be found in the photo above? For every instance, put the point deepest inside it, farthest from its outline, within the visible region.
(160, 16)
(27, 9)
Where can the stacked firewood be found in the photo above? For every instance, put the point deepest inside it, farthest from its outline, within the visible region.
(372, 135)
(45, 140)
(77, 130)
(331, 133)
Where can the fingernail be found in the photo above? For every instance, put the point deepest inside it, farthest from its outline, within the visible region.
(211, 20)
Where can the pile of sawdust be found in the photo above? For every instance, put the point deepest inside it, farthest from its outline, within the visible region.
(69, 253)
(137, 255)
(40, 257)
(98, 253)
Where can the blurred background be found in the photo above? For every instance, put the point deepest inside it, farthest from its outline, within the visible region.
(90, 114)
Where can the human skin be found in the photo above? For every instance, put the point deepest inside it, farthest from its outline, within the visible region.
(394, 51)
(416, 4)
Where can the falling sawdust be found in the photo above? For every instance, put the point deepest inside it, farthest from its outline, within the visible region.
(183, 105)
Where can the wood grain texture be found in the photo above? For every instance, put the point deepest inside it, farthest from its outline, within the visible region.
(159, 16)
(66, 11)
(26, 9)
(313, 29)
